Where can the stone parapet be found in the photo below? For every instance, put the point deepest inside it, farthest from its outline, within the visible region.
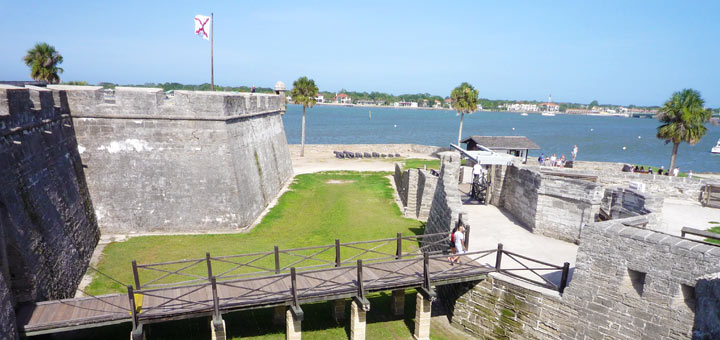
(135, 102)
(629, 283)
(547, 204)
(193, 161)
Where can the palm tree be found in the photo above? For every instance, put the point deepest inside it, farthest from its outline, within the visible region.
(683, 117)
(304, 92)
(464, 100)
(43, 60)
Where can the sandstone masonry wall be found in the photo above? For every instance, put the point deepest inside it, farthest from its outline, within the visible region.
(498, 309)
(193, 161)
(548, 205)
(446, 207)
(416, 188)
(427, 184)
(49, 229)
(629, 283)
(609, 174)
(8, 330)
(626, 202)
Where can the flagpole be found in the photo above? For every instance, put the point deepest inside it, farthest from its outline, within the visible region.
(212, 37)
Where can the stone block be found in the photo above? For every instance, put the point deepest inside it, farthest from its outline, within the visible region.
(293, 326)
(358, 321)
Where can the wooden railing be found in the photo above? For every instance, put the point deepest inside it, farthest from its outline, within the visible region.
(238, 269)
(697, 232)
(523, 262)
(711, 196)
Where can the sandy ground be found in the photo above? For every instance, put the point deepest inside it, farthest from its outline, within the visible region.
(323, 160)
(677, 214)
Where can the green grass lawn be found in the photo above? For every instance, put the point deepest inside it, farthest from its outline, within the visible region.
(319, 208)
(713, 230)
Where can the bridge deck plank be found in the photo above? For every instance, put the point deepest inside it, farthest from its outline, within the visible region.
(182, 302)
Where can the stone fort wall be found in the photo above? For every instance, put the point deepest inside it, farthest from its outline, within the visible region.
(194, 161)
(416, 189)
(546, 204)
(49, 229)
(629, 283)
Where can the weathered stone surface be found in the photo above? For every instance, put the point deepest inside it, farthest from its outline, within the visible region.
(675, 300)
(546, 204)
(191, 162)
(609, 174)
(7, 314)
(49, 230)
(446, 208)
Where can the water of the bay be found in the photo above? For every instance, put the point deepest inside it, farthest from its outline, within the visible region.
(598, 138)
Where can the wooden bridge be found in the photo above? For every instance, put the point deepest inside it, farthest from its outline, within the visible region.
(284, 279)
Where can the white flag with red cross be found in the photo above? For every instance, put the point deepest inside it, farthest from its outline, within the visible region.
(202, 26)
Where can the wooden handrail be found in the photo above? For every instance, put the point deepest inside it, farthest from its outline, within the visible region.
(698, 232)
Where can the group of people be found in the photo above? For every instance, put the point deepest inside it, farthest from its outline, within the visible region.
(553, 160)
(660, 171)
(457, 244)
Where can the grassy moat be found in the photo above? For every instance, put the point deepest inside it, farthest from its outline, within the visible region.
(318, 208)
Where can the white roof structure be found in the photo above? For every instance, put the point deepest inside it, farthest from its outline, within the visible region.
(486, 157)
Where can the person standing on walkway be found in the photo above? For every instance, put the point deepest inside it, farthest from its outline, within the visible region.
(459, 237)
(574, 152)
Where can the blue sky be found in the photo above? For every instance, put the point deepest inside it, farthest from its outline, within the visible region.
(620, 52)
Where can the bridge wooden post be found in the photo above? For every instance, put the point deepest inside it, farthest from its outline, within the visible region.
(397, 305)
(359, 308)
(277, 260)
(423, 303)
(338, 310)
(135, 274)
(209, 266)
(398, 252)
(564, 279)
(137, 330)
(338, 261)
(498, 258)
(467, 237)
(294, 314)
(217, 324)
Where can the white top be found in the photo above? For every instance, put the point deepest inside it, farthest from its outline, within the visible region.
(477, 169)
(459, 238)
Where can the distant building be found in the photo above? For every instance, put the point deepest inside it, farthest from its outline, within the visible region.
(549, 106)
(320, 98)
(522, 107)
(438, 104)
(518, 146)
(342, 99)
(406, 104)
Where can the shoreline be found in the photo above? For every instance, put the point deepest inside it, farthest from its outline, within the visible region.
(597, 114)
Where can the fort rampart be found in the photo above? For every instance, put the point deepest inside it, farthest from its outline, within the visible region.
(48, 225)
(190, 161)
(546, 204)
(416, 189)
(629, 283)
